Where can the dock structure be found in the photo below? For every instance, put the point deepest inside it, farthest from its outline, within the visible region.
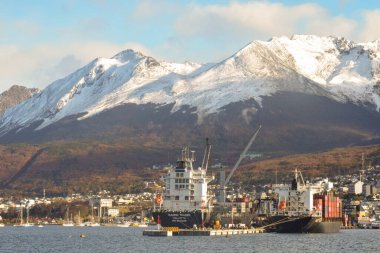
(208, 232)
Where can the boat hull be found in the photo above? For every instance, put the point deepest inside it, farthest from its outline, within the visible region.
(307, 224)
(182, 220)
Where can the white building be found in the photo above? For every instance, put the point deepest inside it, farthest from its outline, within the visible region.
(356, 188)
(101, 202)
(113, 212)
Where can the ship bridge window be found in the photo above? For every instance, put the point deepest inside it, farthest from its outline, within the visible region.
(176, 187)
(186, 197)
(191, 197)
(176, 197)
(180, 164)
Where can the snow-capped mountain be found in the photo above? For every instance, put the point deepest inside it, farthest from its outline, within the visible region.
(331, 67)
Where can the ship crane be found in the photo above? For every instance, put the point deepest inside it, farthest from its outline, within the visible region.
(224, 183)
(206, 156)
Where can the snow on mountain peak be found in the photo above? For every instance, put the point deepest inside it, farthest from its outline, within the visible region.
(128, 55)
(329, 66)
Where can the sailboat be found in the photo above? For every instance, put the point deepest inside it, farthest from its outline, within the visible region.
(22, 224)
(80, 223)
(93, 223)
(68, 222)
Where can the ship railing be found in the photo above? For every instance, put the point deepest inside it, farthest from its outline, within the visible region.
(293, 213)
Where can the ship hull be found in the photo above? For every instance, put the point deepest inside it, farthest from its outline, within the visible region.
(182, 220)
(306, 224)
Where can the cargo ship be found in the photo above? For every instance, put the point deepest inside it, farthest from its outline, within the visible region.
(185, 203)
(306, 208)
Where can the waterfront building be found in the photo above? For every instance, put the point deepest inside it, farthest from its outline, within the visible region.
(356, 188)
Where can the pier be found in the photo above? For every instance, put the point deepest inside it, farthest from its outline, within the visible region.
(208, 232)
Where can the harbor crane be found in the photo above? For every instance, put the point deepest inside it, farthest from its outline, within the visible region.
(223, 183)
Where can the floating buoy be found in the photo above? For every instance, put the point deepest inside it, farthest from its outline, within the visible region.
(82, 236)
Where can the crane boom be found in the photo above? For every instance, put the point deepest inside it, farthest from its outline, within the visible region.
(206, 156)
(242, 156)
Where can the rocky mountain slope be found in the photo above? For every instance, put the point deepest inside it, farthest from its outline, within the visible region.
(14, 96)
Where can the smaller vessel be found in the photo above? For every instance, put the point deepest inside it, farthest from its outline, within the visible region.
(80, 223)
(89, 224)
(92, 223)
(375, 225)
(68, 222)
(2, 225)
(124, 225)
(22, 224)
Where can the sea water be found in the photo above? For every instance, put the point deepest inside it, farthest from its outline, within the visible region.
(115, 239)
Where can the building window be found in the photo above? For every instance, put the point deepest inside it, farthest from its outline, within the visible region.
(176, 197)
(176, 187)
(186, 197)
(191, 197)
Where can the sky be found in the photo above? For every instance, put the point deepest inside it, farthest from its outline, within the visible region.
(44, 40)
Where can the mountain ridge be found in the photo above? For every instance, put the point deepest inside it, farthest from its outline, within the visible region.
(328, 66)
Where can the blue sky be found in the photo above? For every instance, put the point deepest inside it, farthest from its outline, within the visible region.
(42, 40)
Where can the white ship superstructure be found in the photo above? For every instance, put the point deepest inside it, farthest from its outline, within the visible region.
(186, 187)
(307, 208)
(297, 198)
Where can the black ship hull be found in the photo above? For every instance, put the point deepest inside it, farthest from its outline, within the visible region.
(182, 220)
(305, 224)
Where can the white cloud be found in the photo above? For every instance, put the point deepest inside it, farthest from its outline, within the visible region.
(154, 10)
(371, 26)
(43, 64)
(196, 32)
(261, 20)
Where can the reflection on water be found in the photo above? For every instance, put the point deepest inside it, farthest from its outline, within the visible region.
(106, 239)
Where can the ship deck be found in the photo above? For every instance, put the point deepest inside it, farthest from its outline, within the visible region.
(206, 232)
